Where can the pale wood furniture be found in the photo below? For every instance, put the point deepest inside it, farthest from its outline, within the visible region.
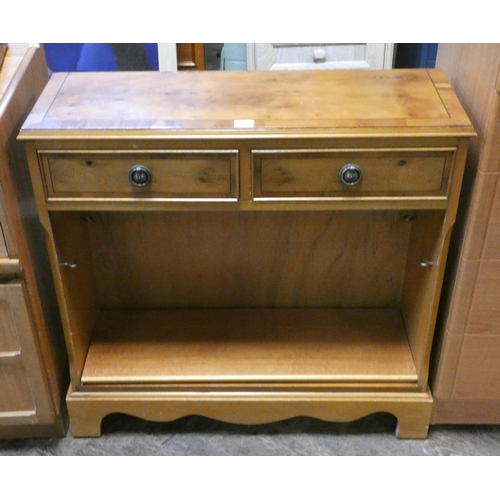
(217, 250)
(466, 380)
(32, 357)
(316, 56)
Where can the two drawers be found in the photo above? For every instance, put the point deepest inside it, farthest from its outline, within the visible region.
(275, 174)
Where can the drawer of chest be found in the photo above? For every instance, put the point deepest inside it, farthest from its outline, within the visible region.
(330, 174)
(149, 174)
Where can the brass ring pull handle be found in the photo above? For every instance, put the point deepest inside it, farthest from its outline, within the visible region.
(140, 176)
(350, 174)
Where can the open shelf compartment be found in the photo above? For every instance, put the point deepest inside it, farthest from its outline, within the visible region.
(249, 345)
(246, 298)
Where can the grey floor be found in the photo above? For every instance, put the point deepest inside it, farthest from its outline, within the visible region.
(197, 436)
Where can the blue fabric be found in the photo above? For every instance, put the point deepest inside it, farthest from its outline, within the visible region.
(97, 57)
(90, 56)
(152, 53)
(62, 56)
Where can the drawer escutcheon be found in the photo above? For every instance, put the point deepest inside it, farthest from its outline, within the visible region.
(351, 174)
(140, 176)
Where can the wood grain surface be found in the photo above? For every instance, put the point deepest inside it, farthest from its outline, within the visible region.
(271, 100)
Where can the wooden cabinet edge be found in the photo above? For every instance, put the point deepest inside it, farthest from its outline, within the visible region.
(48, 377)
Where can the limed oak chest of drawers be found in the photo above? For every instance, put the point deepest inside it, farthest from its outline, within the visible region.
(248, 246)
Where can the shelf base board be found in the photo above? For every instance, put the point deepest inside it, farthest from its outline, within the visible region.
(249, 345)
(87, 409)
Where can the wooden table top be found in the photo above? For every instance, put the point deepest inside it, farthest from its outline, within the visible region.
(401, 102)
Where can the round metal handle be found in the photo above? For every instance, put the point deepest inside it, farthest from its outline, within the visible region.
(140, 176)
(350, 174)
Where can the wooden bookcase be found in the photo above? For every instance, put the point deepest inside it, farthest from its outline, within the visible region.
(213, 253)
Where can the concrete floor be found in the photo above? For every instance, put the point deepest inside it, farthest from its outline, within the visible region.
(197, 436)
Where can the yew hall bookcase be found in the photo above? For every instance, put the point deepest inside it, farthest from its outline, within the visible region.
(248, 246)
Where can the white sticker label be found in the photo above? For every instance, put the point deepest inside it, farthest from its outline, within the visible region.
(244, 123)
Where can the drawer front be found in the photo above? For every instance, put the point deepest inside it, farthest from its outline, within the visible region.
(15, 330)
(184, 174)
(326, 174)
(16, 392)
